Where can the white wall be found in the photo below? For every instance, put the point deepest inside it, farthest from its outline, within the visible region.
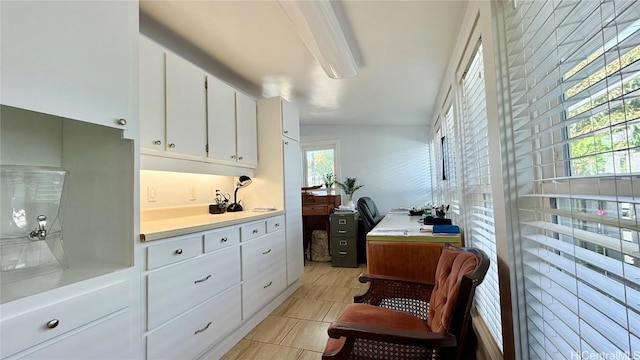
(172, 188)
(392, 162)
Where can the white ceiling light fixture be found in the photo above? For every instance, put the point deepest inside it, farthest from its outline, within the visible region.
(318, 27)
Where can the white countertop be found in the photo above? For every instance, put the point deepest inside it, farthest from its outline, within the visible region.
(402, 227)
(185, 222)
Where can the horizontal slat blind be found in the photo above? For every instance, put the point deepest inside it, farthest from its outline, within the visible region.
(451, 157)
(480, 228)
(574, 79)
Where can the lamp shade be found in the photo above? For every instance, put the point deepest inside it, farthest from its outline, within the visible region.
(244, 181)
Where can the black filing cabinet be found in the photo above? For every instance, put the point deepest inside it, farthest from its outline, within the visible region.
(344, 237)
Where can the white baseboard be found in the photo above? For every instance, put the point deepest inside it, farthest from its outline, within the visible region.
(225, 344)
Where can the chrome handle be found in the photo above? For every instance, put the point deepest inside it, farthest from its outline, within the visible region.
(157, 142)
(266, 252)
(286, 143)
(255, 231)
(277, 225)
(51, 324)
(179, 252)
(233, 156)
(269, 284)
(203, 329)
(172, 146)
(240, 158)
(203, 279)
(122, 122)
(342, 231)
(342, 252)
(286, 131)
(224, 239)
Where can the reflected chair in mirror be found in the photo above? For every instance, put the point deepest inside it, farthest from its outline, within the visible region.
(403, 319)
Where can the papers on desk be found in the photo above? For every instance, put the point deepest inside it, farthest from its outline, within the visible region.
(399, 211)
(426, 228)
(389, 231)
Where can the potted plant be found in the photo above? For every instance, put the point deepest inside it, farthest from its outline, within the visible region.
(349, 187)
(328, 179)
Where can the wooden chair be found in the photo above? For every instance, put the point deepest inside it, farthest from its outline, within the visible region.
(403, 319)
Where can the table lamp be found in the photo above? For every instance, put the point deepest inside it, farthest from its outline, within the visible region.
(243, 181)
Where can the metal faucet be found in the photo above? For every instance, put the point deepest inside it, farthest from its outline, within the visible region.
(40, 233)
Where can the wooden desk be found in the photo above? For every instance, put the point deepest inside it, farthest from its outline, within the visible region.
(396, 247)
(315, 215)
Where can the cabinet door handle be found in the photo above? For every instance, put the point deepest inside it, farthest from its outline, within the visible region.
(203, 279)
(179, 252)
(233, 156)
(157, 142)
(342, 231)
(172, 146)
(269, 284)
(255, 231)
(286, 131)
(223, 240)
(240, 158)
(122, 122)
(277, 225)
(266, 252)
(286, 143)
(51, 324)
(203, 329)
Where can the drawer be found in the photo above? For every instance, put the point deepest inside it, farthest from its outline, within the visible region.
(252, 230)
(275, 224)
(321, 209)
(178, 288)
(195, 331)
(28, 329)
(222, 238)
(344, 225)
(344, 258)
(173, 251)
(260, 253)
(104, 339)
(262, 288)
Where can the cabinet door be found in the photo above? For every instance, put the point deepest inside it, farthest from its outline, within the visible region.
(152, 82)
(293, 207)
(290, 121)
(186, 107)
(247, 129)
(221, 120)
(71, 59)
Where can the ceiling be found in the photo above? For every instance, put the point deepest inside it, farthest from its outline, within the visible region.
(402, 48)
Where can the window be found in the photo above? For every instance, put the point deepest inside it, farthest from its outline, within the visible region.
(574, 84)
(480, 231)
(319, 159)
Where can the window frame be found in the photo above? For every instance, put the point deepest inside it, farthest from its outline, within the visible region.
(306, 146)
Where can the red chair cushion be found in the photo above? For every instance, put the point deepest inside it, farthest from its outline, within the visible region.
(378, 316)
(452, 266)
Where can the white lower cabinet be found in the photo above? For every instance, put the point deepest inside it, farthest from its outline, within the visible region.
(262, 288)
(196, 330)
(105, 339)
(198, 304)
(178, 288)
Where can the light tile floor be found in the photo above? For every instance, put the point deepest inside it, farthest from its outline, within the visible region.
(297, 329)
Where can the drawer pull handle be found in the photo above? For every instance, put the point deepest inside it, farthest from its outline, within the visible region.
(277, 225)
(51, 324)
(224, 239)
(266, 252)
(342, 252)
(179, 252)
(203, 329)
(255, 231)
(203, 279)
(342, 231)
(269, 284)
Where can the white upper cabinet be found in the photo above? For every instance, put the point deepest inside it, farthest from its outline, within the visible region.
(186, 121)
(72, 59)
(290, 121)
(247, 131)
(152, 103)
(221, 115)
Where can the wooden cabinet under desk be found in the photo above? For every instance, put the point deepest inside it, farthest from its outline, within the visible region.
(396, 247)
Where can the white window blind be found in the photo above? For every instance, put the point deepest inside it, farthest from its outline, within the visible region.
(451, 166)
(574, 81)
(480, 228)
(438, 192)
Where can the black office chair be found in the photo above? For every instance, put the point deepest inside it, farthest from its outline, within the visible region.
(369, 218)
